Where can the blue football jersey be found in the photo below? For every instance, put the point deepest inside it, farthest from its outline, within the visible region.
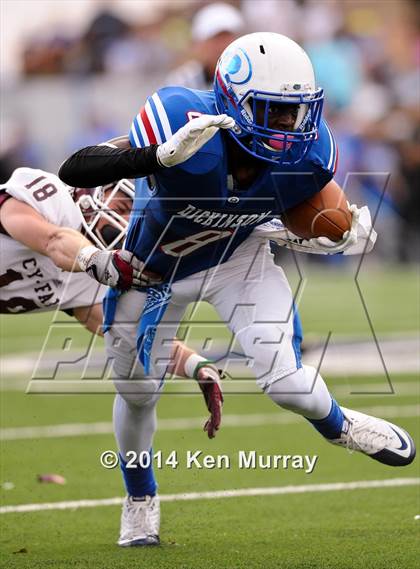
(191, 217)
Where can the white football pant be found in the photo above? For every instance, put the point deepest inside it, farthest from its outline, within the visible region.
(253, 298)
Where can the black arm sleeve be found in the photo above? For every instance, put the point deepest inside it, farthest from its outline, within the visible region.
(98, 165)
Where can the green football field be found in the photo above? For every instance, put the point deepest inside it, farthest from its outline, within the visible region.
(349, 512)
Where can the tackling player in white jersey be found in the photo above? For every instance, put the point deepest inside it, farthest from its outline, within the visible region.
(37, 210)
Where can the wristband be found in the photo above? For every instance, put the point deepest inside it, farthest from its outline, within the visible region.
(207, 364)
(85, 255)
(190, 366)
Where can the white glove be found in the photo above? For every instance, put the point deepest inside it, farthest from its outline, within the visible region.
(119, 269)
(360, 238)
(190, 138)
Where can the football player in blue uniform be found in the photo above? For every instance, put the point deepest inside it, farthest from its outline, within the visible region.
(202, 226)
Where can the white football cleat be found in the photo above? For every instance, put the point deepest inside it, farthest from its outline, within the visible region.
(140, 520)
(377, 438)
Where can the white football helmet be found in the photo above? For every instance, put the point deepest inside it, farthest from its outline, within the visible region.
(266, 69)
(98, 204)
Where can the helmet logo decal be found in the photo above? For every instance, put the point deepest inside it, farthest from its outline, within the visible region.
(234, 64)
(237, 66)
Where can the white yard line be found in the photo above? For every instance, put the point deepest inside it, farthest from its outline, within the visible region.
(185, 423)
(273, 491)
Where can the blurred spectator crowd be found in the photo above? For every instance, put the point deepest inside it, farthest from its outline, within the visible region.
(365, 54)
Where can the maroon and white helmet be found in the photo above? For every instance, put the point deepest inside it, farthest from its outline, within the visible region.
(102, 222)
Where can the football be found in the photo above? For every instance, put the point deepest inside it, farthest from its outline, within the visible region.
(326, 214)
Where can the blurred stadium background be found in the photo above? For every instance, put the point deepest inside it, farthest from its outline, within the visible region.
(75, 72)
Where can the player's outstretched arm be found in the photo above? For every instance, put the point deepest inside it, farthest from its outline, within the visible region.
(24, 224)
(70, 250)
(187, 363)
(103, 164)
